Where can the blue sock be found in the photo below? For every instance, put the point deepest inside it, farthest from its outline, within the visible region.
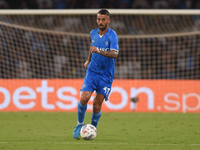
(95, 118)
(81, 112)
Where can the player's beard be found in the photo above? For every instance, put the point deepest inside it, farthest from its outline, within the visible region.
(102, 27)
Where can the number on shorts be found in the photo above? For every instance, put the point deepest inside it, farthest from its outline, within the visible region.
(106, 89)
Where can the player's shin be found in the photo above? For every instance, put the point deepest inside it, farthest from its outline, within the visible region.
(81, 112)
(95, 118)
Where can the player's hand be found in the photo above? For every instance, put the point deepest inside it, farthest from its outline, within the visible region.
(93, 49)
(86, 64)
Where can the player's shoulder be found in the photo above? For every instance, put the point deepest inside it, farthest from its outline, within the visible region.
(94, 31)
(112, 33)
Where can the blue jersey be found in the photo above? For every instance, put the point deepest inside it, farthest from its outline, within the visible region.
(103, 66)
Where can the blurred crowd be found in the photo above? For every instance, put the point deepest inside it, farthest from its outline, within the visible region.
(83, 4)
(32, 54)
(159, 58)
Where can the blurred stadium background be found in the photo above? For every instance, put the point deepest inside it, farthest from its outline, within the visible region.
(160, 52)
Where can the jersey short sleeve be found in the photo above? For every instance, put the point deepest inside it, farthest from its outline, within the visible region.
(113, 38)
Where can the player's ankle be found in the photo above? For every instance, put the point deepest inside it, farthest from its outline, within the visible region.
(81, 123)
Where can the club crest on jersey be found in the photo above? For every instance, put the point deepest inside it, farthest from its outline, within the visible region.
(106, 43)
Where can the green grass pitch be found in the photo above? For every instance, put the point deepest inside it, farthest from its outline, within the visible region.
(115, 131)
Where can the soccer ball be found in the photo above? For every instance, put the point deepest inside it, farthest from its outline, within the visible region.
(88, 132)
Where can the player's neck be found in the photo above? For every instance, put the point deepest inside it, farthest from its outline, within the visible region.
(101, 33)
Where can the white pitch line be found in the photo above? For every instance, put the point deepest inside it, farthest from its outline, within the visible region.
(14, 142)
(94, 143)
(5, 142)
(89, 143)
(72, 143)
(159, 144)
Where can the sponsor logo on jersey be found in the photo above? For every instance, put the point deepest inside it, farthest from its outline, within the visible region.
(103, 49)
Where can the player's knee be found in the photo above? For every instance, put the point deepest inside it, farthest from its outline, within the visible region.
(85, 98)
(84, 101)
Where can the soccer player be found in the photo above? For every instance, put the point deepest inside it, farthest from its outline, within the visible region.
(100, 68)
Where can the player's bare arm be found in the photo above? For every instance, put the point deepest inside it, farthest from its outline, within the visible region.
(88, 60)
(111, 53)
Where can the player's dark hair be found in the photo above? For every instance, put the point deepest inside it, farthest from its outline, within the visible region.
(104, 12)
